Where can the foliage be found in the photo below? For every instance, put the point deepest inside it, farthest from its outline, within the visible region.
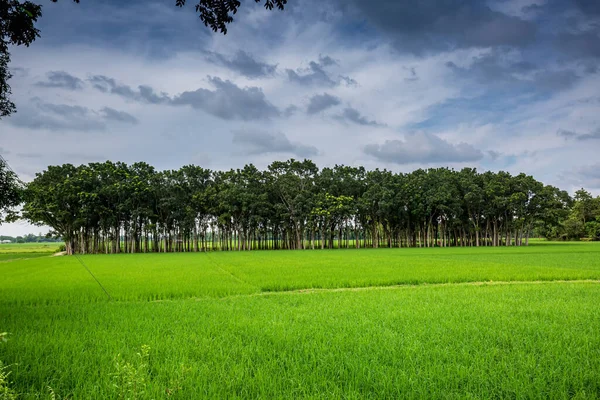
(130, 378)
(10, 191)
(6, 392)
(17, 20)
(114, 207)
(582, 222)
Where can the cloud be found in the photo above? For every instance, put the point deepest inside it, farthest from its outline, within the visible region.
(321, 102)
(420, 26)
(348, 81)
(422, 148)
(111, 114)
(589, 176)
(30, 155)
(65, 117)
(353, 115)
(244, 64)
(589, 6)
(584, 44)
(566, 134)
(18, 72)
(56, 117)
(494, 155)
(413, 75)
(570, 135)
(290, 110)
(498, 69)
(61, 79)
(315, 74)
(229, 102)
(143, 93)
(257, 142)
(326, 61)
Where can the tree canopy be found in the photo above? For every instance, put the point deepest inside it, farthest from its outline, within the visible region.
(10, 191)
(18, 18)
(114, 207)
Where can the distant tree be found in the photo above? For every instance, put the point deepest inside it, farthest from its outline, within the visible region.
(18, 18)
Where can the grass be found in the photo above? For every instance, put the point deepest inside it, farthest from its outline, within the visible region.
(8, 248)
(19, 251)
(247, 325)
(143, 277)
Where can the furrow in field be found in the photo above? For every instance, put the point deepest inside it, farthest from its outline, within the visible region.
(411, 285)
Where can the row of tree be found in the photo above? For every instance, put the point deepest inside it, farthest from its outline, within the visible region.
(113, 207)
(31, 238)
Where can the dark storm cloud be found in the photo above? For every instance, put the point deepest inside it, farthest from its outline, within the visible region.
(321, 102)
(111, 114)
(228, 101)
(428, 25)
(494, 155)
(143, 93)
(18, 72)
(589, 6)
(422, 148)
(290, 110)
(65, 117)
(61, 79)
(314, 75)
(256, 142)
(555, 80)
(570, 135)
(413, 75)
(496, 68)
(353, 115)
(580, 45)
(57, 117)
(244, 64)
(326, 61)
(566, 134)
(348, 81)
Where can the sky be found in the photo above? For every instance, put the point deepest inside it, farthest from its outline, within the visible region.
(509, 85)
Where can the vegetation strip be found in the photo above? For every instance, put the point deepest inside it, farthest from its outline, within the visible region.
(411, 285)
(120, 208)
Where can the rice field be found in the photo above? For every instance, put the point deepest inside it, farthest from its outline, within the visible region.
(517, 322)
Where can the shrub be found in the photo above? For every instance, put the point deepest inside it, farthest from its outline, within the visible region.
(129, 380)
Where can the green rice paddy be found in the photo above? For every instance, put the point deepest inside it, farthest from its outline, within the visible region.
(516, 322)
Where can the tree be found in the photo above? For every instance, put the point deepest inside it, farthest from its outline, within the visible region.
(18, 18)
(114, 207)
(10, 191)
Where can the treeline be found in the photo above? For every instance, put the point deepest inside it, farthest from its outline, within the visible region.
(31, 238)
(113, 207)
